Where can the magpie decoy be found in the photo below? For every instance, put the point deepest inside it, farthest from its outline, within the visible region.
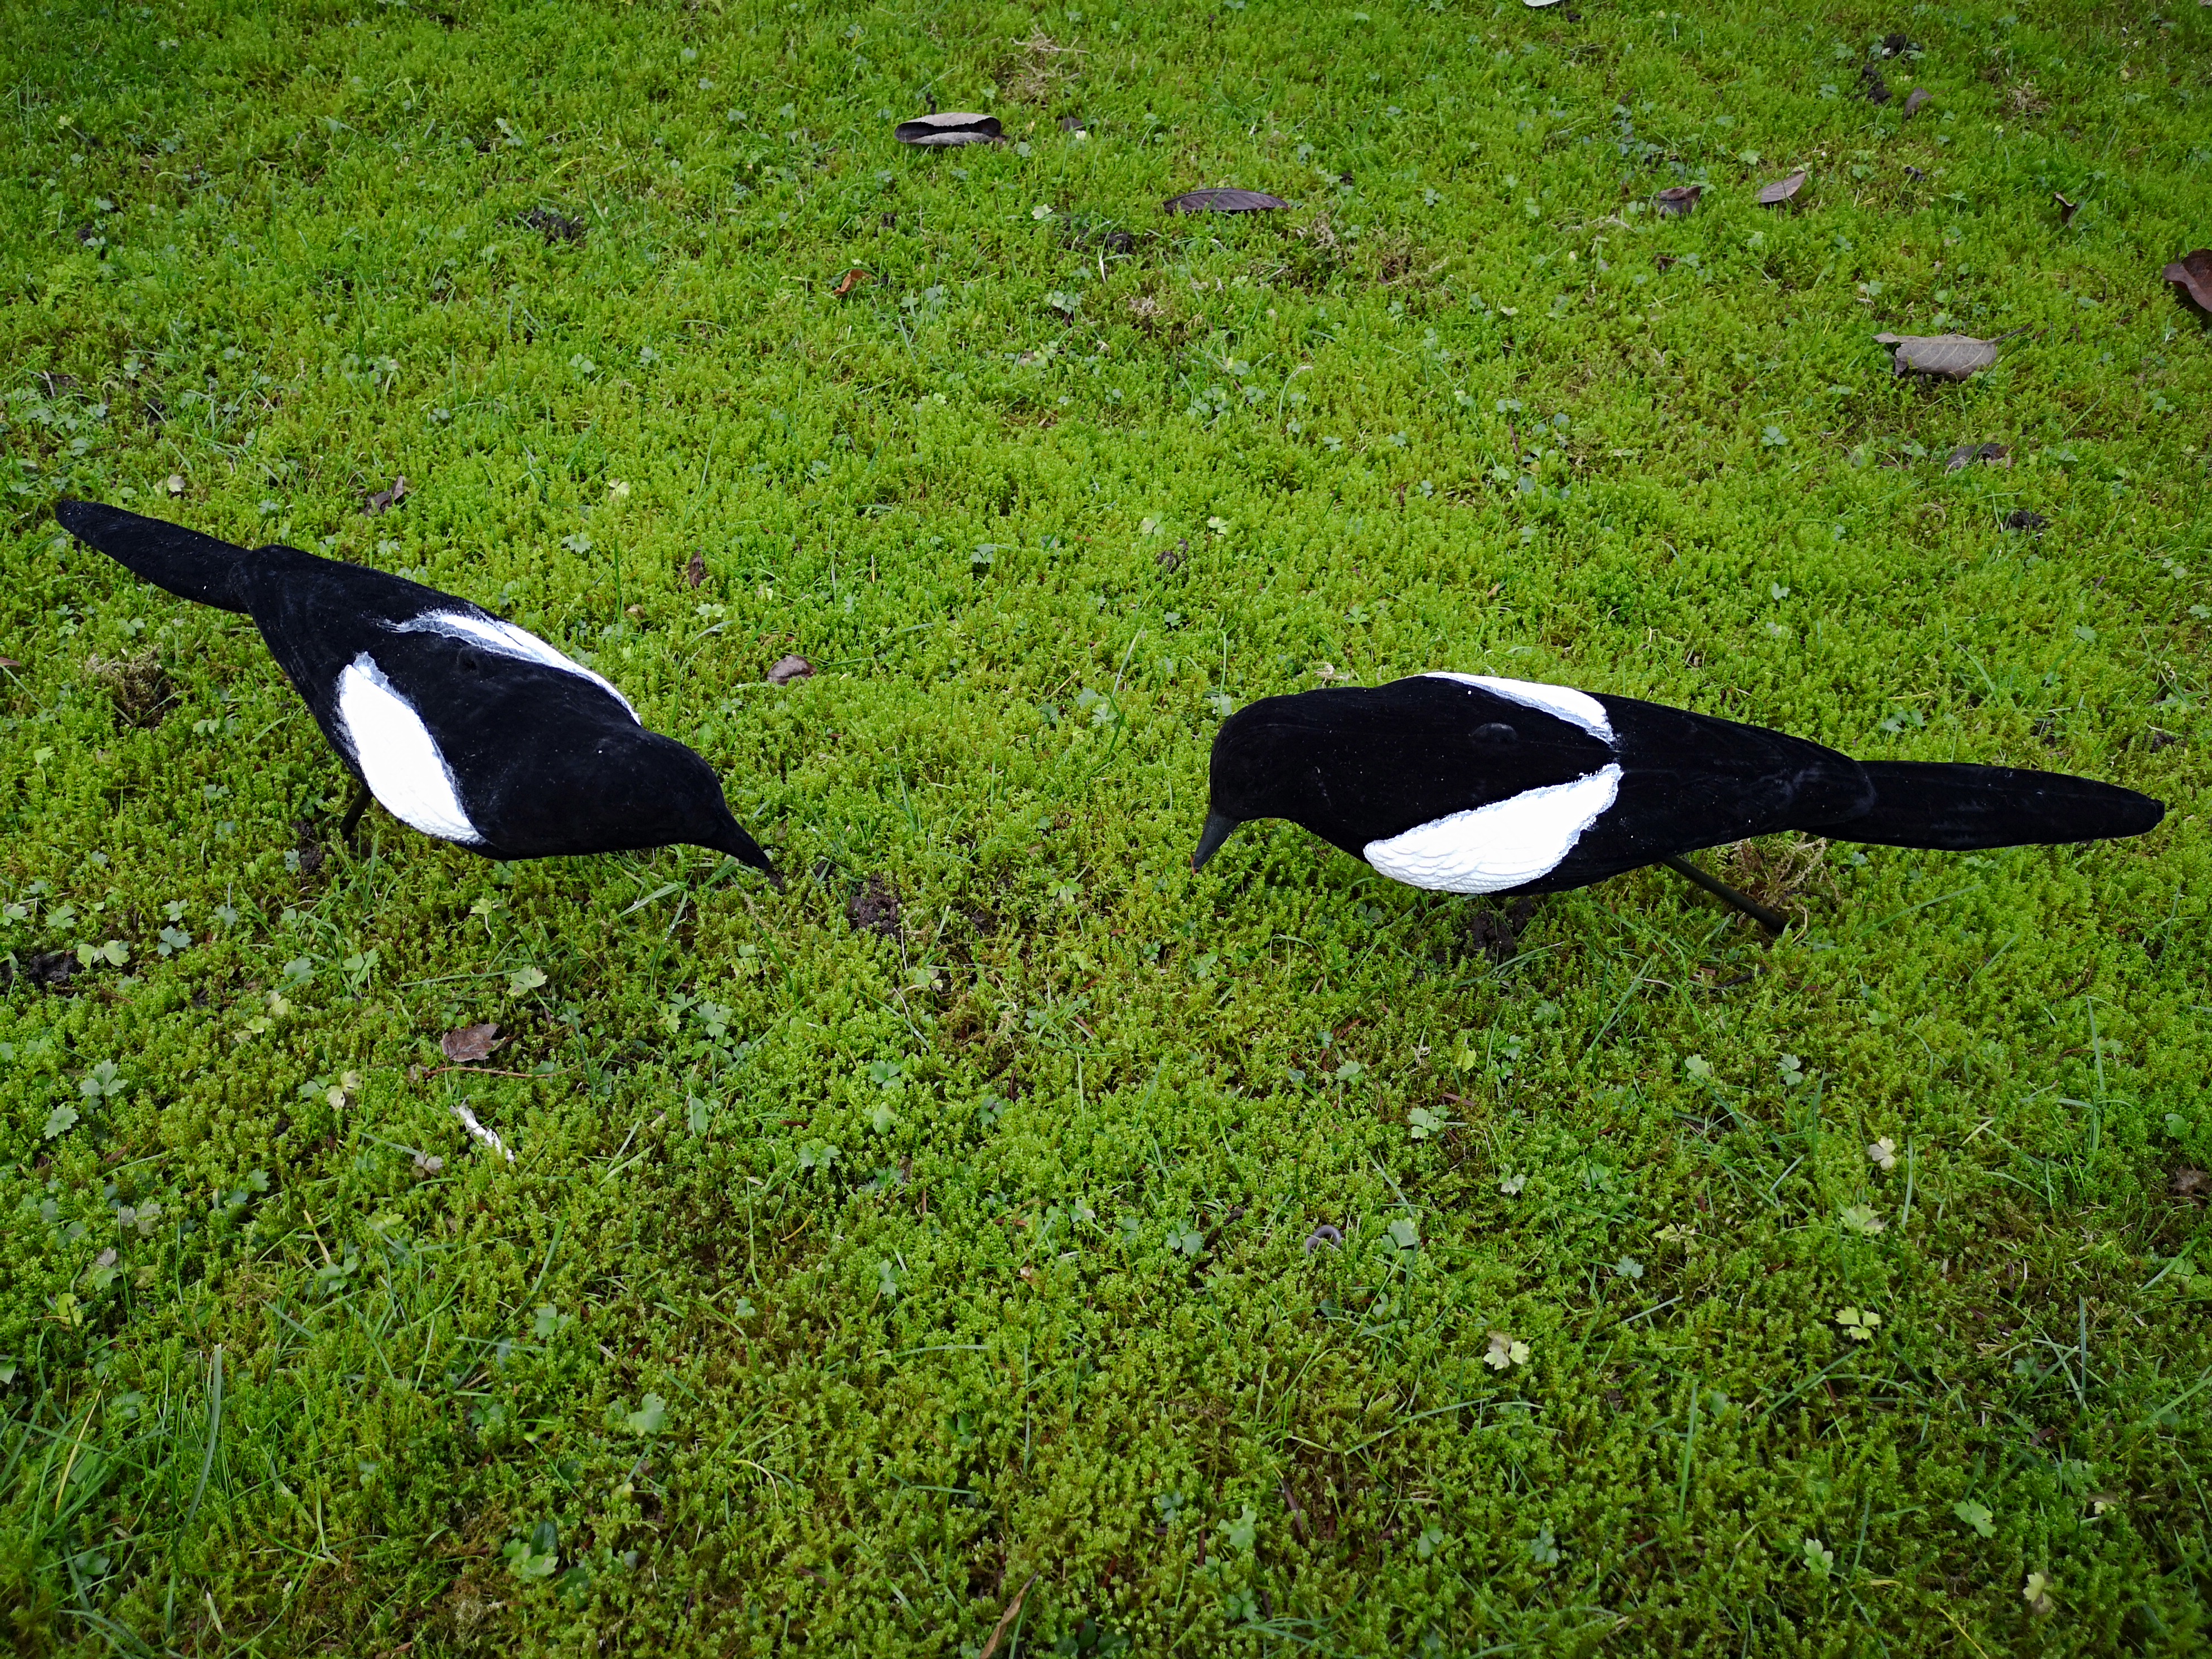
(1464, 783)
(460, 724)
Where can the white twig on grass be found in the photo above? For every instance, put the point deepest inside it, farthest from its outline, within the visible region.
(469, 1122)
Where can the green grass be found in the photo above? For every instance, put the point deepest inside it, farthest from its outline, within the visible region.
(843, 1282)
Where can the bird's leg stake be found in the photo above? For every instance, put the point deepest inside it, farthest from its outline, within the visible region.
(353, 809)
(1773, 920)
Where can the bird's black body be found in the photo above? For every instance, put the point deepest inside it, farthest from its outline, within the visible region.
(539, 757)
(1582, 788)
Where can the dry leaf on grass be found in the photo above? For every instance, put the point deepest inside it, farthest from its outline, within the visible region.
(1677, 200)
(1223, 201)
(2066, 209)
(383, 499)
(948, 127)
(695, 572)
(2026, 518)
(1914, 100)
(1006, 1619)
(1781, 190)
(1949, 356)
(2188, 1183)
(2192, 276)
(787, 669)
(851, 280)
(1966, 454)
(466, 1044)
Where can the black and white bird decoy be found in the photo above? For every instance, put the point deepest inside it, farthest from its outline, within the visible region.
(461, 725)
(1464, 783)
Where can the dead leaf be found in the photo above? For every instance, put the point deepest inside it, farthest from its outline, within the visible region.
(386, 498)
(2188, 1183)
(1006, 1619)
(1677, 200)
(2192, 276)
(1223, 201)
(1665, 261)
(852, 280)
(1894, 45)
(948, 127)
(1915, 174)
(1967, 454)
(2026, 518)
(1781, 190)
(466, 1044)
(1872, 84)
(695, 572)
(2066, 209)
(9, 662)
(1914, 99)
(176, 484)
(554, 227)
(1947, 357)
(1071, 124)
(788, 669)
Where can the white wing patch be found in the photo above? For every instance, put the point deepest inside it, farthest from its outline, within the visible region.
(504, 638)
(1489, 849)
(398, 756)
(1576, 707)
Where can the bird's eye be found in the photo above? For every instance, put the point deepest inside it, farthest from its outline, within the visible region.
(1497, 732)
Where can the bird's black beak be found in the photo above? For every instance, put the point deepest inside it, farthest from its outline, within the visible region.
(1219, 826)
(743, 849)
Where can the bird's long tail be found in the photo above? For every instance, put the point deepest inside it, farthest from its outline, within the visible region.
(1958, 808)
(186, 564)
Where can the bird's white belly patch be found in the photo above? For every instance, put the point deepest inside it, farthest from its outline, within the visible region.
(504, 638)
(1489, 849)
(398, 756)
(1576, 707)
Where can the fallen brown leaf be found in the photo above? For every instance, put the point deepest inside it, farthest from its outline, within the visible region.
(2187, 1182)
(1947, 357)
(2192, 276)
(465, 1044)
(1006, 1619)
(2066, 209)
(787, 669)
(9, 662)
(1966, 454)
(383, 500)
(948, 127)
(1914, 99)
(2027, 519)
(1223, 201)
(1781, 190)
(1676, 200)
(852, 280)
(695, 572)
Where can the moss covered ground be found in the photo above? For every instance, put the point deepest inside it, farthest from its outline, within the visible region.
(951, 1222)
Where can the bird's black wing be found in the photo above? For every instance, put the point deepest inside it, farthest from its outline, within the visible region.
(1690, 781)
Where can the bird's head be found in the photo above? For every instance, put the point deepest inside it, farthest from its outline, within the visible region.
(673, 797)
(1264, 766)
